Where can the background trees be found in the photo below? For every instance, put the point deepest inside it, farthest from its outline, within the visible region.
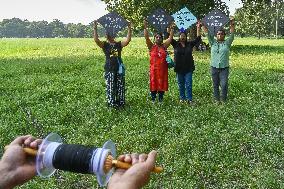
(261, 18)
(136, 10)
(18, 28)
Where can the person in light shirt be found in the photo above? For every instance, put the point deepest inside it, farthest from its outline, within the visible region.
(220, 51)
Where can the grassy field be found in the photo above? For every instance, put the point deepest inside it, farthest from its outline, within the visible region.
(57, 85)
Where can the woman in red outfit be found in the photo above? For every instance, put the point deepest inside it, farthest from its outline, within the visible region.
(158, 64)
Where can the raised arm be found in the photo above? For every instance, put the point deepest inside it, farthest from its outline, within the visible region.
(96, 36)
(232, 25)
(146, 34)
(167, 43)
(198, 27)
(198, 33)
(128, 38)
(230, 39)
(209, 36)
(174, 42)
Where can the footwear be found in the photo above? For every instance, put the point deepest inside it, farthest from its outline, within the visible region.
(216, 102)
(182, 101)
(190, 102)
(223, 102)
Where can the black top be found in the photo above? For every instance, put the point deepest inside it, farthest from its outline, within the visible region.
(183, 55)
(113, 56)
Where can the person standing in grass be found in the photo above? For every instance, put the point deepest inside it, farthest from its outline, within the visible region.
(158, 64)
(114, 70)
(220, 49)
(184, 63)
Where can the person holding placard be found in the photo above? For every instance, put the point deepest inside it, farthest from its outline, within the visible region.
(158, 64)
(220, 50)
(184, 63)
(114, 68)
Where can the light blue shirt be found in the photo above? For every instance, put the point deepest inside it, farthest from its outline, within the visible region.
(220, 51)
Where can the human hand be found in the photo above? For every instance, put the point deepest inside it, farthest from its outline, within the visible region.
(95, 24)
(130, 25)
(16, 164)
(168, 29)
(232, 21)
(145, 23)
(171, 27)
(198, 24)
(138, 175)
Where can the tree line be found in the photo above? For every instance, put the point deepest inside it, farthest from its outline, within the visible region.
(261, 18)
(256, 18)
(18, 28)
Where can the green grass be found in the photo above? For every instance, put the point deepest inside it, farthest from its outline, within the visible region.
(57, 85)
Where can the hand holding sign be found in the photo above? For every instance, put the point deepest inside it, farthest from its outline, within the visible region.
(95, 24)
(232, 21)
(113, 23)
(198, 24)
(215, 20)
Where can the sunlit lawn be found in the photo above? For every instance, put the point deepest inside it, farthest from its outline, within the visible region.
(57, 85)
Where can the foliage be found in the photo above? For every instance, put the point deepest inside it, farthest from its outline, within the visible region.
(57, 85)
(136, 11)
(18, 28)
(258, 18)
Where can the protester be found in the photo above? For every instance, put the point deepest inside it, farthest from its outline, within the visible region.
(158, 64)
(114, 69)
(16, 167)
(220, 49)
(184, 63)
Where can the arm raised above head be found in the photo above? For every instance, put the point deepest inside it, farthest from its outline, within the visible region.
(128, 37)
(96, 36)
(146, 35)
(232, 25)
(168, 42)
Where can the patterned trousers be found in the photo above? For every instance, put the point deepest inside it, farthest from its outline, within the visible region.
(115, 89)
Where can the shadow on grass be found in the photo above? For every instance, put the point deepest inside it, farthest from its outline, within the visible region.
(68, 96)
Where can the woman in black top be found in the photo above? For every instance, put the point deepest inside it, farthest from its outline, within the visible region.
(114, 70)
(184, 63)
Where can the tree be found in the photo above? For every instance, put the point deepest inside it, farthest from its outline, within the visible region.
(14, 27)
(75, 30)
(58, 29)
(258, 17)
(38, 29)
(136, 10)
(281, 26)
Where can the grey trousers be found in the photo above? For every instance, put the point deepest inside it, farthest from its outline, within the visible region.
(220, 77)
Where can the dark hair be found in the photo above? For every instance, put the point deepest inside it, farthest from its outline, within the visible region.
(183, 32)
(160, 34)
(222, 30)
(108, 36)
